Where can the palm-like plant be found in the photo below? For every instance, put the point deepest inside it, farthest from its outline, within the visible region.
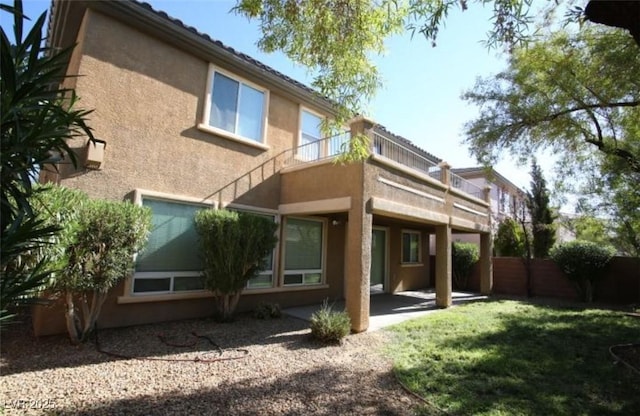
(38, 117)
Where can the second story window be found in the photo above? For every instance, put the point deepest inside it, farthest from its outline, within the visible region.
(310, 133)
(237, 107)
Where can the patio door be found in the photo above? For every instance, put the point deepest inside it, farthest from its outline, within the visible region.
(378, 272)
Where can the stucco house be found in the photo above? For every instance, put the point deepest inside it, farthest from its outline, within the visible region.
(186, 123)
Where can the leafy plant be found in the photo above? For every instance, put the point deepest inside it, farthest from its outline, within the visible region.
(509, 239)
(328, 325)
(266, 310)
(584, 263)
(37, 117)
(234, 247)
(93, 252)
(464, 257)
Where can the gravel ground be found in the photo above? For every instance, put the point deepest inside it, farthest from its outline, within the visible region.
(263, 368)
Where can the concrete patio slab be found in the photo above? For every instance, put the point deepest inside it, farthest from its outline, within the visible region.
(390, 309)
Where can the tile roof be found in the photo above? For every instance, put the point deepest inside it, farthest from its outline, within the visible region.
(229, 49)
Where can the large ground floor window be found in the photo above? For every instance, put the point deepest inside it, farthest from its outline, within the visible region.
(170, 262)
(303, 251)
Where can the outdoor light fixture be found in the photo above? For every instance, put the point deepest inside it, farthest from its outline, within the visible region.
(95, 153)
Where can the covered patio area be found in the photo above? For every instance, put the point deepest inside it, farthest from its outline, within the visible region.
(389, 309)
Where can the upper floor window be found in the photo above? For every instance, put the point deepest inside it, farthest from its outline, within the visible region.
(310, 134)
(236, 106)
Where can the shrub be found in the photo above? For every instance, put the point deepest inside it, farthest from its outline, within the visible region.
(584, 263)
(39, 114)
(464, 257)
(266, 310)
(509, 240)
(234, 247)
(93, 252)
(330, 326)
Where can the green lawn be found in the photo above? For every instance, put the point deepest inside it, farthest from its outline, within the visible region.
(515, 358)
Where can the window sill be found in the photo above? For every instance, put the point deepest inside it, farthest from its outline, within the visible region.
(163, 297)
(411, 264)
(205, 294)
(227, 135)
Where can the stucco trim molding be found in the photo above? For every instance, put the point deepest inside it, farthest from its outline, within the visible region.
(467, 225)
(410, 189)
(473, 211)
(316, 207)
(409, 171)
(402, 211)
(138, 194)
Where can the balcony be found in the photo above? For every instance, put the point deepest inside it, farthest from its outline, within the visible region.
(387, 151)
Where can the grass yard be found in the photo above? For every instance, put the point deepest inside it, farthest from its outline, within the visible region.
(515, 358)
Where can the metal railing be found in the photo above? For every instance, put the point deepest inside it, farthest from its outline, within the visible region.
(465, 186)
(400, 154)
(326, 148)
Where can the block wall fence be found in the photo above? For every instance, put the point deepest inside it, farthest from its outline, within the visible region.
(621, 284)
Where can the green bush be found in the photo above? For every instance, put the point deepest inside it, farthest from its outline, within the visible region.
(234, 247)
(330, 326)
(464, 257)
(266, 310)
(509, 240)
(93, 252)
(584, 263)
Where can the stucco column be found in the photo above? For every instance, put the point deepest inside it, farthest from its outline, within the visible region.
(358, 266)
(444, 173)
(443, 266)
(486, 266)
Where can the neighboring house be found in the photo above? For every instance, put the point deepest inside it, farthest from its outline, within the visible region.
(188, 123)
(507, 200)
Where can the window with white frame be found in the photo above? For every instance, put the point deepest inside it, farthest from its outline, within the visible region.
(237, 106)
(169, 263)
(410, 247)
(310, 134)
(303, 251)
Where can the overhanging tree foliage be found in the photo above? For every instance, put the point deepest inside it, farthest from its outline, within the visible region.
(573, 93)
(336, 40)
(542, 218)
(38, 116)
(234, 248)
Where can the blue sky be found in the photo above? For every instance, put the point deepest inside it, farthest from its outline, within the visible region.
(420, 99)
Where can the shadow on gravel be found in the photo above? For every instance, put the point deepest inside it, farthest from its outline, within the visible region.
(185, 340)
(323, 391)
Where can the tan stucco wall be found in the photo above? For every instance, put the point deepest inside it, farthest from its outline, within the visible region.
(148, 100)
(323, 181)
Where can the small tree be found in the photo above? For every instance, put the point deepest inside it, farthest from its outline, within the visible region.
(93, 252)
(584, 263)
(509, 239)
(234, 247)
(543, 229)
(464, 257)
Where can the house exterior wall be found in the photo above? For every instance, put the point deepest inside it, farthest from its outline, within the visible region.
(150, 98)
(148, 101)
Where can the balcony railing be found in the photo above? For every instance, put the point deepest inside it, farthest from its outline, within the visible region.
(322, 149)
(383, 147)
(400, 154)
(465, 186)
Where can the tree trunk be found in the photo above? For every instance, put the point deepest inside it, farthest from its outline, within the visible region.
(72, 318)
(588, 291)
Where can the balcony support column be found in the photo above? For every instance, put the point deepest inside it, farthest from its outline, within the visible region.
(443, 266)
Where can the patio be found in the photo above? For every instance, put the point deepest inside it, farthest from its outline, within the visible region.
(389, 309)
